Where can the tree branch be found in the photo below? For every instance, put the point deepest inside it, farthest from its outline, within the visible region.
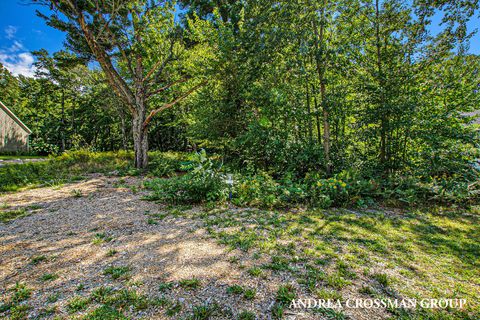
(167, 86)
(171, 104)
(162, 63)
(118, 84)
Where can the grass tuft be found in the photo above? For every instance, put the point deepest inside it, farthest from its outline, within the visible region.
(189, 284)
(77, 304)
(7, 216)
(246, 315)
(120, 272)
(285, 294)
(49, 277)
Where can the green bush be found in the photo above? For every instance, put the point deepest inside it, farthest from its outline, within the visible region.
(166, 164)
(203, 182)
(42, 148)
(258, 191)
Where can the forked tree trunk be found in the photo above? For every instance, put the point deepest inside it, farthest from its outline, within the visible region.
(140, 140)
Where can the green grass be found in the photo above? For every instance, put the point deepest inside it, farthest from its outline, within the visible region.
(37, 259)
(382, 278)
(73, 165)
(249, 294)
(120, 272)
(430, 253)
(204, 311)
(122, 298)
(48, 311)
(77, 303)
(111, 252)
(235, 289)
(174, 309)
(255, 272)
(336, 281)
(165, 286)
(151, 221)
(190, 284)
(76, 193)
(21, 292)
(53, 298)
(328, 294)
(246, 315)
(7, 216)
(19, 312)
(285, 294)
(105, 313)
(100, 238)
(101, 294)
(49, 277)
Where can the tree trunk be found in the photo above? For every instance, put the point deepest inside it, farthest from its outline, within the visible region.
(321, 69)
(317, 117)
(124, 131)
(309, 111)
(326, 128)
(74, 128)
(140, 140)
(62, 133)
(383, 119)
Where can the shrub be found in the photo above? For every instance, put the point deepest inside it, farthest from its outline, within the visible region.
(203, 182)
(325, 192)
(165, 164)
(259, 190)
(42, 148)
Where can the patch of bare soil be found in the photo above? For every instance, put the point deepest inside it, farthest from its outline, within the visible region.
(78, 230)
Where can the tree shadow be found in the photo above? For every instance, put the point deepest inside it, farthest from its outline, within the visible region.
(63, 231)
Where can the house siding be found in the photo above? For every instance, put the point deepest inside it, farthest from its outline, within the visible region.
(13, 137)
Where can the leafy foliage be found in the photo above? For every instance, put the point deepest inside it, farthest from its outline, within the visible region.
(202, 182)
(331, 103)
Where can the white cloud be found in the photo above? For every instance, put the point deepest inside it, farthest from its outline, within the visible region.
(17, 64)
(15, 58)
(16, 46)
(10, 32)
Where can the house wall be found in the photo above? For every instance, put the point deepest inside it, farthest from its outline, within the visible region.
(12, 136)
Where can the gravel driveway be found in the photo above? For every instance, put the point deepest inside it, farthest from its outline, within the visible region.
(76, 231)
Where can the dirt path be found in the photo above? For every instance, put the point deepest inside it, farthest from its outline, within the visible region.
(72, 232)
(4, 162)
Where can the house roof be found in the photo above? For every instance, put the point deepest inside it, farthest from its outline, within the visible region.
(15, 118)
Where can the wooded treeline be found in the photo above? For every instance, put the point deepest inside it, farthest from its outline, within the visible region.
(288, 87)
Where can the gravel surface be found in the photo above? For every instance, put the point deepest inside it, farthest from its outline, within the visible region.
(63, 223)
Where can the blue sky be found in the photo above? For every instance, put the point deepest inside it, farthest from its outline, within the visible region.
(21, 32)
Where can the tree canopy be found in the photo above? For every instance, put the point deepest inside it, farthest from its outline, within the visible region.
(286, 87)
